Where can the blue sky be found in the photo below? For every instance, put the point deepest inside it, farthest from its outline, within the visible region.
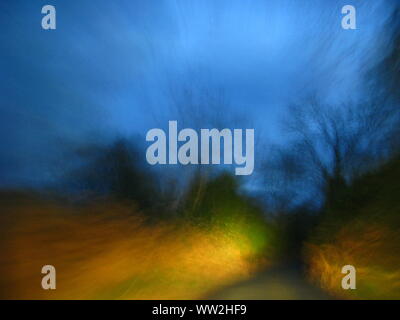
(110, 67)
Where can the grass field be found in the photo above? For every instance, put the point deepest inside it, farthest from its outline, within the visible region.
(109, 251)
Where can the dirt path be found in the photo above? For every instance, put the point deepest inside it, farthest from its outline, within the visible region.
(279, 283)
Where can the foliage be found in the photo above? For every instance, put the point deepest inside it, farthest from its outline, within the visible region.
(362, 230)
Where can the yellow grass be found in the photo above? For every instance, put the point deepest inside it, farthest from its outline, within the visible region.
(108, 252)
(372, 248)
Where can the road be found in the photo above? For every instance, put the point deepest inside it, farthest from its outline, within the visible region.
(285, 282)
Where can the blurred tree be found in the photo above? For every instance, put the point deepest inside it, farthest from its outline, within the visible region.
(117, 171)
(217, 199)
(329, 146)
(384, 77)
(389, 68)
